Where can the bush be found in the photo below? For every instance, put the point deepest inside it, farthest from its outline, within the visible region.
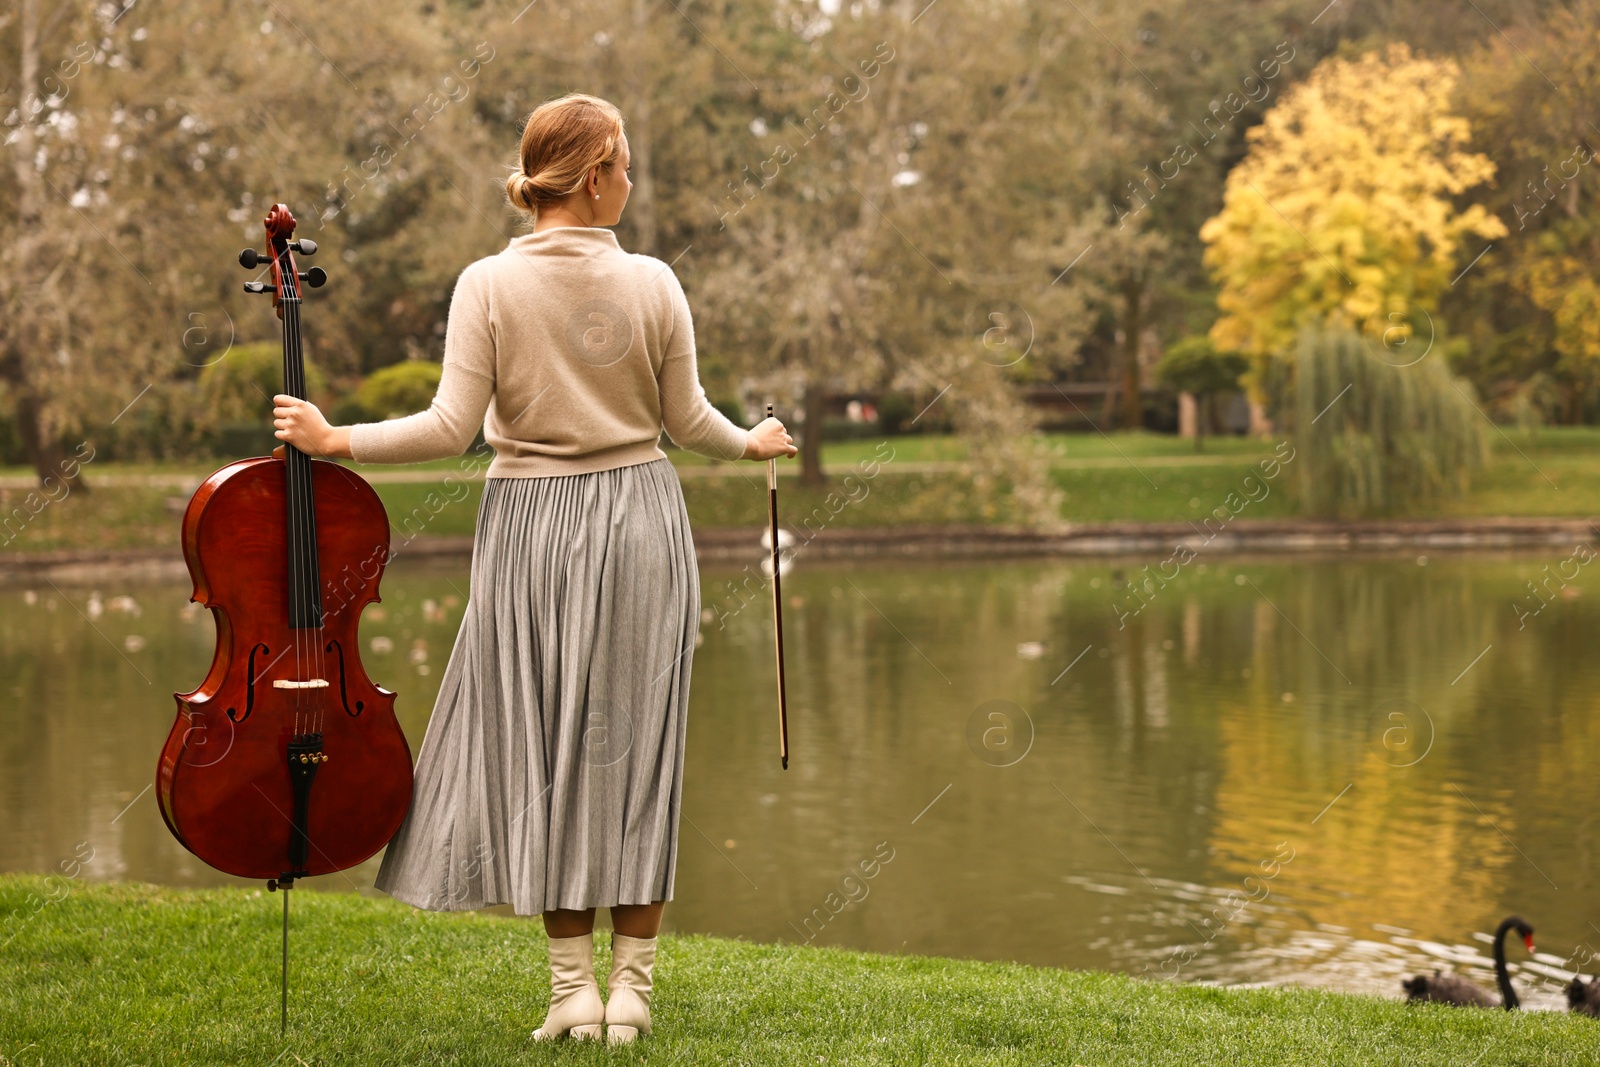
(235, 411)
(393, 391)
(896, 410)
(733, 409)
(1372, 438)
(239, 387)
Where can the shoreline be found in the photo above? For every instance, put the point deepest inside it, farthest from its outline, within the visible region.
(926, 542)
(1244, 537)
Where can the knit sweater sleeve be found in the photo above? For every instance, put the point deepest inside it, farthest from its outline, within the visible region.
(686, 414)
(466, 386)
(445, 429)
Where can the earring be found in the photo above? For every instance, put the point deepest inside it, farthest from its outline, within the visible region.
(597, 196)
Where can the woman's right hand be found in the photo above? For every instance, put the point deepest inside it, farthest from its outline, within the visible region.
(769, 440)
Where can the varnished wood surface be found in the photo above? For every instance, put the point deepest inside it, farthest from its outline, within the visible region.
(223, 785)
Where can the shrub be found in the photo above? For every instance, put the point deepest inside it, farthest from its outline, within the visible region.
(239, 387)
(733, 409)
(234, 417)
(396, 390)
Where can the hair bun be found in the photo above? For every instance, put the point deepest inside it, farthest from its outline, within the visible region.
(522, 191)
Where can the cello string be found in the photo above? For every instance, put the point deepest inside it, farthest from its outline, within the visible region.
(291, 516)
(296, 544)
(292, 462)
(313, 576)
(295, 481)
(291, 491)
(308, 575)
(307, 531)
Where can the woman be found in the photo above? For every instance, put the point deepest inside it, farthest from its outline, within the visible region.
(552, 768)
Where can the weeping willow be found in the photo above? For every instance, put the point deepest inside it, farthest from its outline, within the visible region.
(1377, 439)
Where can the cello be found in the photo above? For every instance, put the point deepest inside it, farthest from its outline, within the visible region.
(287, 761)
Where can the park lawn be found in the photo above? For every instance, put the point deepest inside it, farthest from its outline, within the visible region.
(1120, 477)
(1575, 442)
(1554, 482)
(132, 517)
(1123, 477)
(943, 448)
(915, 448)
(120, 974)
(105, 518)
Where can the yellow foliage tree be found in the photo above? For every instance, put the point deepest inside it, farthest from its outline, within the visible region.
(1341, 211)
(1559, 277)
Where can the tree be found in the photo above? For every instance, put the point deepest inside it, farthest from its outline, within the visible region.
(1344, 210)
(1121, 274)
(137, 165)
(1194, 365)
(800, 260)
(856, 248)
(1372, 438)
(1530, 306)
(1165, 101)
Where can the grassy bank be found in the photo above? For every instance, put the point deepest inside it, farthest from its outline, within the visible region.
(94, 974)
(1121, 477)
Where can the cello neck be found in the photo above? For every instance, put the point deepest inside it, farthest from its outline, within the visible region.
(305, 582)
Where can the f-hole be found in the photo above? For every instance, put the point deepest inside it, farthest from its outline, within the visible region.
(250, 687)
(344, 697)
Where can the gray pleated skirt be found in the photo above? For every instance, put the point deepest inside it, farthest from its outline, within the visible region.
(552, 768)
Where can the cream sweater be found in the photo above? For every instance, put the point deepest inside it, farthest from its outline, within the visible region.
(578, 353)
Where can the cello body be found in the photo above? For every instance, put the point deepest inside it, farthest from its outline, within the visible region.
(287, 760)
(222, 781)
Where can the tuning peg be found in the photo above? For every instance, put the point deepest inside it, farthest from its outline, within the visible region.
(304, 246)
(315, 277)
(250, 259)
(258, 287)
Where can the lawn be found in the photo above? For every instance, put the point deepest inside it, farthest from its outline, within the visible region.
(123, 974)
(1123, 477)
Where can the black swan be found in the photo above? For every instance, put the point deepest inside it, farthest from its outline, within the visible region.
(1582, 997)
(1451, 989)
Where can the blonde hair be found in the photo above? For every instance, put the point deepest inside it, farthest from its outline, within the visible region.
(562, 140)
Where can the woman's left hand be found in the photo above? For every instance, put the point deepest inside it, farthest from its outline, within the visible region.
(300, 423)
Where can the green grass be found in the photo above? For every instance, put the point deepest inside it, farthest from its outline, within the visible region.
(108, 517)
(123, 974)
(1123, 477)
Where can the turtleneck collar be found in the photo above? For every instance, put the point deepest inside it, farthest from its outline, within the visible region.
(566, 240)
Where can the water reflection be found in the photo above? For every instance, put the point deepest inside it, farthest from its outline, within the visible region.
(1328, 773)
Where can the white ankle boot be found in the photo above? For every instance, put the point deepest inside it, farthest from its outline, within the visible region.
(575, 1004)
(628, 1006)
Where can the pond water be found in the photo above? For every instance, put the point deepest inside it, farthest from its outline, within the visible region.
(1323, 772)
